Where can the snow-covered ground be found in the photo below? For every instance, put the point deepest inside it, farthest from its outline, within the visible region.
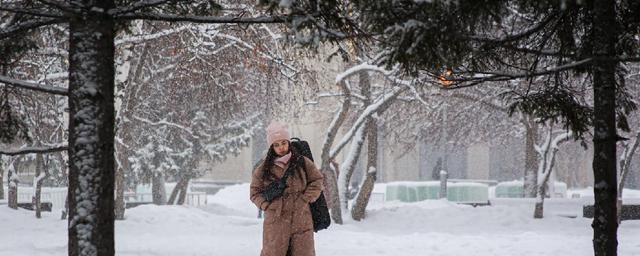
(228, 226)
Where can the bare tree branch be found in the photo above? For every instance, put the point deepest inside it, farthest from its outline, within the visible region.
(380, 103)
(38, 13)
(537, 52)
(33, 86)
(58, 6)
(203, 19)
(524, 34)
(487, 76)
(32, 150)
(473, 98)
(478, 77)
(28, 25)
(136, 6)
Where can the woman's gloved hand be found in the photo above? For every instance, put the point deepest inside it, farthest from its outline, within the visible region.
(274, 190)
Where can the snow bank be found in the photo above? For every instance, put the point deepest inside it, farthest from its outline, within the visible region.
(232, 200)
(228, 226)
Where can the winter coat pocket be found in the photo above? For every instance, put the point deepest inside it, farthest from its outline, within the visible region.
(269, 216)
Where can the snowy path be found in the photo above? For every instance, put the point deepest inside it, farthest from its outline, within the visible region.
(227, 227)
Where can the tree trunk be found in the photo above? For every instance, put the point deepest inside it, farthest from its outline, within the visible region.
(332, 187)
(183, 186)
(174, 194)
(1, 180)
(625, 165)
(12, 201)
(538, 213)
(349, 165)
(531, 161)
(119, 202)
(603, 37)
(331, 181)
(125, 78)
(91, 130)
(159, 193)
(177, 190)
(13, 180)
(38, 184)
(362, 199)
(65, 211)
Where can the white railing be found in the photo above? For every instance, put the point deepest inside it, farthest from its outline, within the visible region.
(55, 195)
(58, 195)
(196, 198)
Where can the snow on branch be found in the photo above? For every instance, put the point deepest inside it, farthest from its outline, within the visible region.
(202, 19)
(28, 25)
(365, 67)
(33, 86)
(164, 122)
(560, 139)
(31, 150)
(30, 12)
(378, 103)
(491, 104)
(137, 6)
(548, 153)
(264, 54)
(511, 38)
(147, 37)
(59, 6)
(369, 111)
(337, 121)
(360, 68)
(479, 77)
(240, 133)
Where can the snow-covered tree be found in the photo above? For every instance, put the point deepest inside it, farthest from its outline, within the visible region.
(477, 41)
(630, 146)
(547, 157)
(91, 90)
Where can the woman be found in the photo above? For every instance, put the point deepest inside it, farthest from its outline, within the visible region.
(288, 227)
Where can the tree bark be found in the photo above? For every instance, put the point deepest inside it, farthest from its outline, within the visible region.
(119, 201)
(91, 130)
(364, 193)
(549, 151)
(604, 36)
(625, 165)
(538, 212)
(37, 198)
(542, 187)
(159, 193)
(331, 181)
(124, 132)
(12, 201)
(12, 178)
(65, 211)
(1, 180)
(176, 193)
(531, 161)
(349, 166)
(183, 186)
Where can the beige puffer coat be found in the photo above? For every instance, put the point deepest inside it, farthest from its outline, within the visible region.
(288, 224)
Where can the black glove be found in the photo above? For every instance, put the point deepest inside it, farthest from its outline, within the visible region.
(274, 190)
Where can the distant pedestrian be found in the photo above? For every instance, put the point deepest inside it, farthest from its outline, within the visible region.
(435, 174)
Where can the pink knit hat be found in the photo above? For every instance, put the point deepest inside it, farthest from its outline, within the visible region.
(277, 131)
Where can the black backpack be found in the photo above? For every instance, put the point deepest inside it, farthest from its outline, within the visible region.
(319, 209)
